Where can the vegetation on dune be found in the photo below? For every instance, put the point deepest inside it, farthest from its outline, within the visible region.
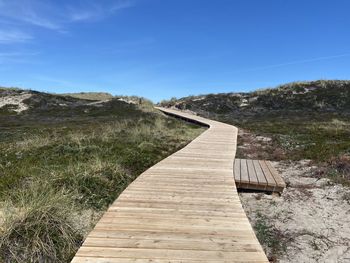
(306, 120)
(269, 236)
(37, 225)
(320, 96)
(90, 95)
(64, 160)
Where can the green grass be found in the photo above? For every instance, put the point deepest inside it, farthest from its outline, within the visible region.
(38, 226)
(309, 136)
(269, 236)
(59, 164)
(90, 95)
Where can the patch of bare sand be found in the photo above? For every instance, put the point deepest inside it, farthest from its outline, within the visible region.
(313, 216)
(17, 100)
(85, 220)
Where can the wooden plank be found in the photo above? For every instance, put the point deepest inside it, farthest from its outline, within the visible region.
(269, 178)
(174, 216)
(237, 230)
(168, 254)
(154, 235)
(142, 260)
(203, 206)
(145, 191)
(178, 211)
(182, 199)
(244, 174)
(237, 172)
(253, 180)
(183, 209)
(203, 244)
(279, 181)
(259, 173)
(158, 220)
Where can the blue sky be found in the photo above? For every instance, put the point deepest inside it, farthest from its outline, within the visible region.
(164, 48)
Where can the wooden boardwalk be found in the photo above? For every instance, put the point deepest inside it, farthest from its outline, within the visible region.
(257, 175)
(183, 209)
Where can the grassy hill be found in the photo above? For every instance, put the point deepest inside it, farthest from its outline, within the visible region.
(63, 160)
(90, 95)
(306, 120)
(309, 97)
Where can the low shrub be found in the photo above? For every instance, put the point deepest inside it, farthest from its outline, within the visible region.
(270, 237)
(337, 169)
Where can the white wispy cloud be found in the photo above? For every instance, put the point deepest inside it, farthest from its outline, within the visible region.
(51, 15)
(17, 57)
(295, 62)
(36, 20)
(35, 13)
(14, 36)
(81, 15)
(121, 5)
(91, 11)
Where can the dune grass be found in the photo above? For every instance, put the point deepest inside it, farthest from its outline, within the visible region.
(37, 225)
(57, 177)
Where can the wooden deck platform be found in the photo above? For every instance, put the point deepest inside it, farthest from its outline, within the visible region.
(257, 175)
(183, 209)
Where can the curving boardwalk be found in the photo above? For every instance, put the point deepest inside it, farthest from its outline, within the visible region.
(183, 209)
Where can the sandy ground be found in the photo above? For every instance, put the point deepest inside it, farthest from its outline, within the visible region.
(16, 100)
(311, 217)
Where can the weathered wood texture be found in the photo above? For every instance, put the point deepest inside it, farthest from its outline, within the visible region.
(257, 175)
(183, 209)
